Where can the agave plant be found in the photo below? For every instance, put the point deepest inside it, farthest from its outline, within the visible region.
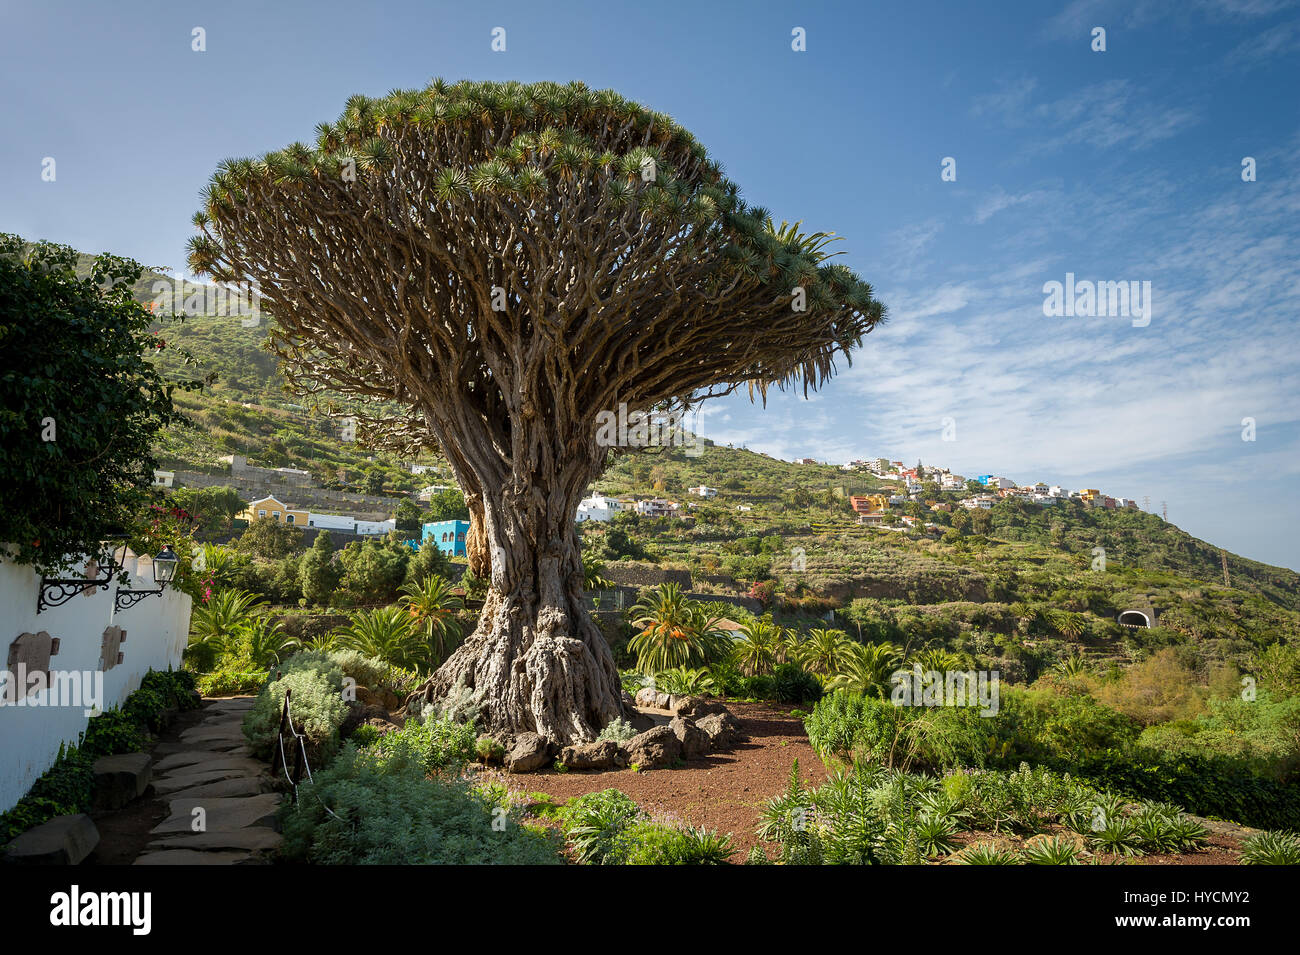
(865, 668)
(1051, 850)
(987, 853)
(387, 634)
(824, 650)
(1271, 848)
(432, 608)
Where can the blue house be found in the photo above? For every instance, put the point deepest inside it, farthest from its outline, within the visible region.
(448, 535)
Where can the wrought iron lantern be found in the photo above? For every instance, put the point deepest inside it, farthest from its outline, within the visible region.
(164, 572)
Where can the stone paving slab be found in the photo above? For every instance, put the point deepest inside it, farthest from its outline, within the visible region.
(223, 813)
(199, 775)
(255, 838)
(241, 786)
(204, 758)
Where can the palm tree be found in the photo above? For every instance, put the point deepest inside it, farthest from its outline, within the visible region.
(937, 661)
(387, 634)
(1025, 615)
(1075, 665)
(866, 668)
(823, 650)
(214, 623)
(674, 631)
(432, 607)
(1068, 623)
(790, 648)
(267, 644)
(755, 651)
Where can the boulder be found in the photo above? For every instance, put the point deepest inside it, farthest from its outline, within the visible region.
(64, 840)
(695, 742)
(120, 779)
(653, 748)
(696, 706)
(663, 701)
(722, 729)
(605, 754)
(528, 752)
(646, 696)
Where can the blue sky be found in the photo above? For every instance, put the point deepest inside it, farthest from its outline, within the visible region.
(1123, 165)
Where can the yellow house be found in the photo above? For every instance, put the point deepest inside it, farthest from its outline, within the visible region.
(1089, 493)
(274, 509)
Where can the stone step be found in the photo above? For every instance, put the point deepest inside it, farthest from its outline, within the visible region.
(173, 762)
(63, 840)
(199, 773)
(223, 813)
(121, 779)
(243, 786)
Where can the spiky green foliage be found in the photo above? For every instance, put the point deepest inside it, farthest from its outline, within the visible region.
(473, 177)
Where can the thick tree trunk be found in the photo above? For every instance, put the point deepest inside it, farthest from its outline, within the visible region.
(537, 661)
(477, 554)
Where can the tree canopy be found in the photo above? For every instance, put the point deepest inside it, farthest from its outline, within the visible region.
(81, 403)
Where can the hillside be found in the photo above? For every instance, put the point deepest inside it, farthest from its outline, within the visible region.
(1032, 555)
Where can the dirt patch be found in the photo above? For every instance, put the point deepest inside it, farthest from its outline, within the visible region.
(722, 791)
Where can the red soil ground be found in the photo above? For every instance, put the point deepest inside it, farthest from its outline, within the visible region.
(725, 791)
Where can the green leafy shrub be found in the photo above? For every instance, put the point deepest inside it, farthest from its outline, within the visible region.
(597, 826)
(793, 684)
(439, 743)
(651, 843)
(65, 788)
(315, 685)
(618, 730)
(387, 812)
(113, 732)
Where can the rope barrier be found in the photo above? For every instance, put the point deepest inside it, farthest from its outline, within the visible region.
(301, 762)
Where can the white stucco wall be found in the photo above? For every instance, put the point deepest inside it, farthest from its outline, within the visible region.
(156, 631)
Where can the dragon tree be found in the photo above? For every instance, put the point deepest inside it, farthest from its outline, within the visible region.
(502, 262)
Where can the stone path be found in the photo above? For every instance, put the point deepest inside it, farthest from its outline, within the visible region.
(220, 800)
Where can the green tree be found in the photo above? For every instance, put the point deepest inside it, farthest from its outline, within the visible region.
(270, 539)
(319, 574)
(408, 518)
(81, 403)
(658, 248)
(448, 505)
(372, 571)
(213, 508)
(428, 560)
